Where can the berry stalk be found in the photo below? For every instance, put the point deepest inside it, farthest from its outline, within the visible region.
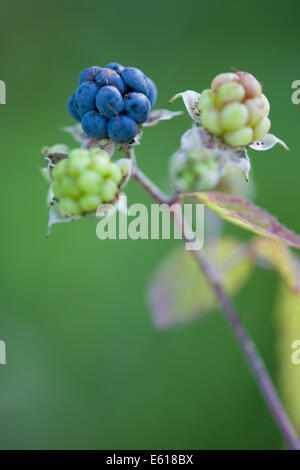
(242, 336)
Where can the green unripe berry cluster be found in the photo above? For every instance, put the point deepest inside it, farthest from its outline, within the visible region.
(84, 180)
(235, 109)
(197, 171)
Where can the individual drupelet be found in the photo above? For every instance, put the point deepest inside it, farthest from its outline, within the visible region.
(94, 125)
(115, 66)
(109, 101)
(110, 77)
(88, 74)
(72, 108)
(85, 97)
(152, 92)
(122, 129)
(135, 80)
(137, 106)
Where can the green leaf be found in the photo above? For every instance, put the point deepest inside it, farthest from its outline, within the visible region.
(278, 257)
(288, 351)
(247, 215)
(179, 293)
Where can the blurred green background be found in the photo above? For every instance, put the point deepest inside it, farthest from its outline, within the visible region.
(86, 366)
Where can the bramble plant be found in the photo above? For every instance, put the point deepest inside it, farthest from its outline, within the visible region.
(113, 106)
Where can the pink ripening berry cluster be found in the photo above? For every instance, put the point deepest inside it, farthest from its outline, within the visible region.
(235, 108)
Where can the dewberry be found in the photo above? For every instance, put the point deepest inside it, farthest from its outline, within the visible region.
(241, 137)
(196, 171)
(207, 98)
(110, 92)
(109, 190)
(122, 129)
(251, 85)
(235, 109)
(223, 78)
(59, 170)
(94, 125)
(85, 97)
(256, 110)
(109, 101)
(70, 206)
(89, 182)
(152, 92)
(229, 92)
(115, 66)
(135, 80)
(234, 116)
(261, 129)
(266, 104)
(108, 76)
(211, 120)
(88, 74)
(84, 180)
(72, 108)
(137, 106)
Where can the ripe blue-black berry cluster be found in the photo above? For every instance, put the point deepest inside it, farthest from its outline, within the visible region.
(112, 101)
